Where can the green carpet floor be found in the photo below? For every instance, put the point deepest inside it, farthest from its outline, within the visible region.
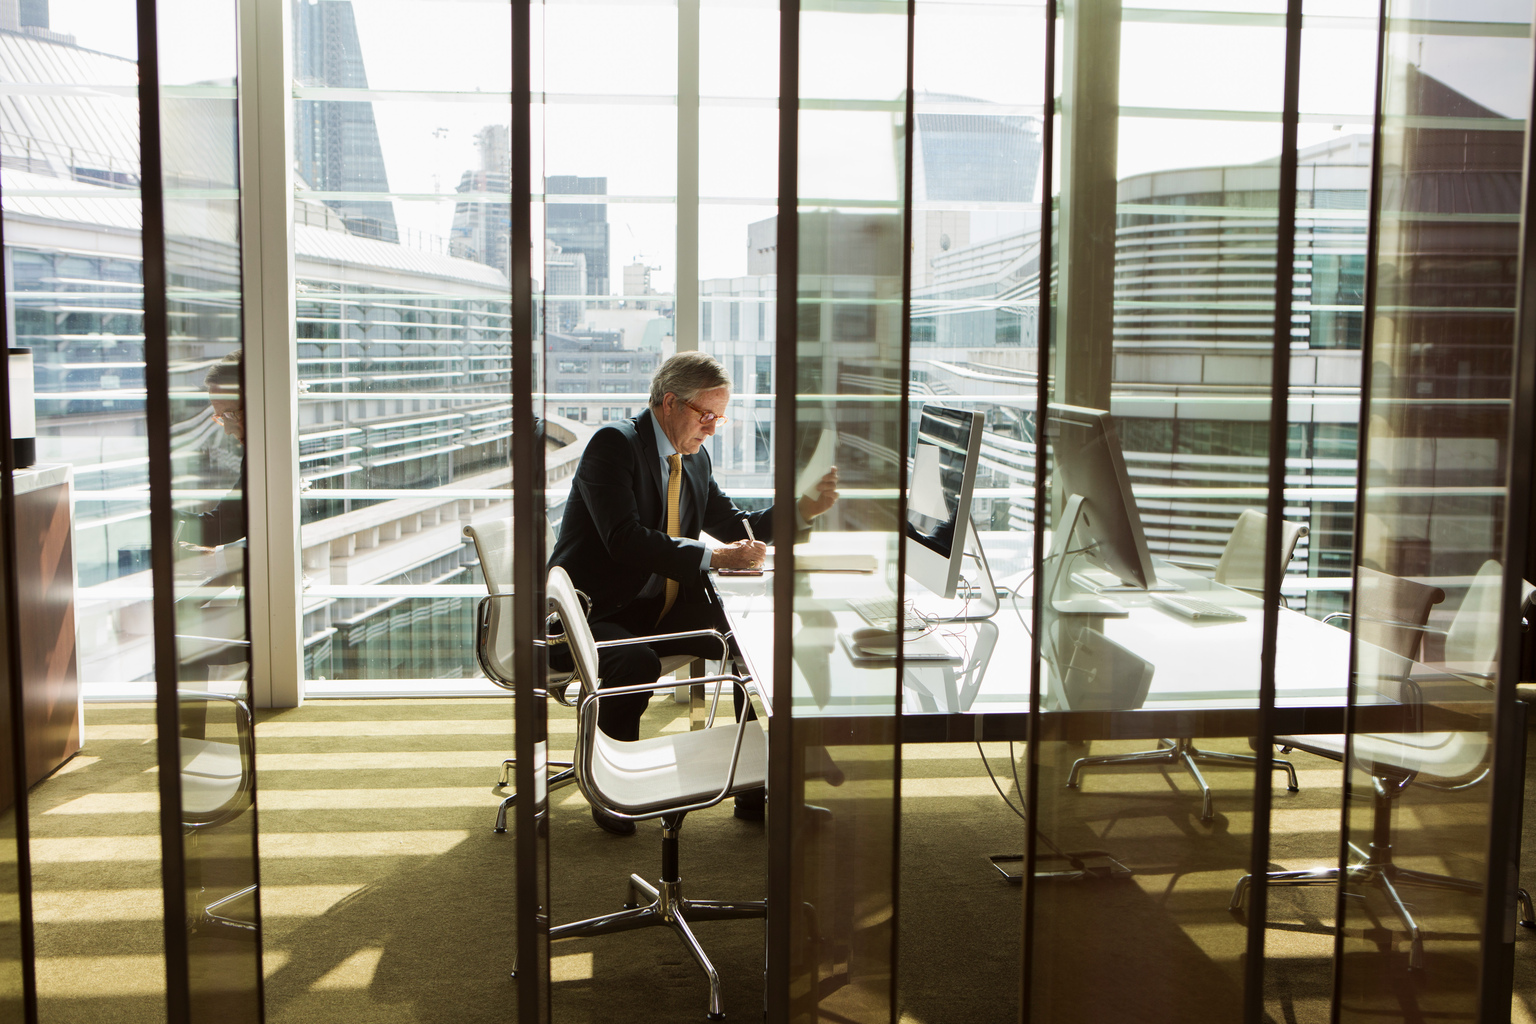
(387, 898)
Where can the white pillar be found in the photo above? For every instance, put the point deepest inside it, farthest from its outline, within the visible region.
(271, 371)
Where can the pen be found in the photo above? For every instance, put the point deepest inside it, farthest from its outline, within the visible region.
(745, 521)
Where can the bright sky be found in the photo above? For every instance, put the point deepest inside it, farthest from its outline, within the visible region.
(627, 53)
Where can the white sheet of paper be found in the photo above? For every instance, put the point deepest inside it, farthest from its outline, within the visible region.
(821, 461)
(926, 494)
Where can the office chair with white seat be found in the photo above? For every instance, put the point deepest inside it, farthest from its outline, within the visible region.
(1389, 615)
(663, 777)
(218, 780)
(493, 641)
(1241, 567)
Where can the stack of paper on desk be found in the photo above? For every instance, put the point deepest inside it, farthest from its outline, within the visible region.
(831, 561)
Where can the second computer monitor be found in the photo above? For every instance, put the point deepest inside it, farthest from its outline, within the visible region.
(939, 495)
(1090, 466)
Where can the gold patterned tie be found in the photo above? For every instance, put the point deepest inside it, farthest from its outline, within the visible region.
(674, 520)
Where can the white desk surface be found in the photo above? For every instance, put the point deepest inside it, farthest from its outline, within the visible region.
(1198, 666)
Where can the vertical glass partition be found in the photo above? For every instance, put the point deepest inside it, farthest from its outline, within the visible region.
(979, 80)
(15, 908)
(197, 473)
(69, 194)
(73, 265)
(1162, 360)
(839, 706)
(737, 162)
(1434, 511)
(1326, 339)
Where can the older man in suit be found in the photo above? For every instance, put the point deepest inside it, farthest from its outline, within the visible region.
(643, 493)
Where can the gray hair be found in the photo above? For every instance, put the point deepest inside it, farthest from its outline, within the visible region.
(687, 375)
(224, 375)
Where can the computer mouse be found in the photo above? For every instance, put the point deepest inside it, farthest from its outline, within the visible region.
(873, 638)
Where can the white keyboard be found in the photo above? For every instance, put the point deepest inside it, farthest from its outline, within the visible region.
(1193, 607)
(882, 611)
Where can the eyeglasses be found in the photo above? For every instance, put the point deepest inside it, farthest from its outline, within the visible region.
(705, 416)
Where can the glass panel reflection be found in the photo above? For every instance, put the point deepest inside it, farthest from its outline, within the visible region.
(1151, 591)
(975, 275)
(200, 151)
(73, 274)
(1452, 136)
(1327, 327)
(11, 923)
(847, 413)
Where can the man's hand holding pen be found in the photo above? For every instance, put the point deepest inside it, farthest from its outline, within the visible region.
(744, 554)
(751, 553)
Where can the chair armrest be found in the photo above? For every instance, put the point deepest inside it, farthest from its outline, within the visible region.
(228, 698)
(239, 800)
(483, 639)
(554, 687)
(1418, 627)
(614, 691)
(725, 642)
(1188, 564)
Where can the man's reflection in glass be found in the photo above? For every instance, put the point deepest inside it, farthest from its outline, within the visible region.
(224, 521)
(210, 543)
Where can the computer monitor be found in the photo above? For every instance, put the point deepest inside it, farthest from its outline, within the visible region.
(1099, 522)
(939, 489)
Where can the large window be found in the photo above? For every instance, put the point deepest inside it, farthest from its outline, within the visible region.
(403, 330)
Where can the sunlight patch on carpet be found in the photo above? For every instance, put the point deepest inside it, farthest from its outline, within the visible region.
(356, 971)
(88, 906)
(571, 967)
(424, 843)
(67, 977)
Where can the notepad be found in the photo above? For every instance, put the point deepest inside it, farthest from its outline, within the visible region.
(832, 561)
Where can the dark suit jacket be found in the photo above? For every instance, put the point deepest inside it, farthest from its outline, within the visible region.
(614, 534)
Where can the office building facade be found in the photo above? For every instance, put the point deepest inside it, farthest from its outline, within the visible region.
(579, 228)
(337, 144)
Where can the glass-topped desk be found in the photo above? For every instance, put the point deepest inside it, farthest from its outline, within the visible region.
(1205, 675)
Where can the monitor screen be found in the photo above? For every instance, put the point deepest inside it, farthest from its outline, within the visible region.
(939, 495)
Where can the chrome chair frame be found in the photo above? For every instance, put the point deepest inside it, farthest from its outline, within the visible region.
(209, 918)
(1374, 865)
(1182, 752)
(666, 906)
(563, 773)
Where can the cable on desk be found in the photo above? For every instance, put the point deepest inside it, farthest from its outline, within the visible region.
(1055, 650)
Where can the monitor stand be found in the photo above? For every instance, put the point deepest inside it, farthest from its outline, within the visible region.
(1061, 544)
(987, 604)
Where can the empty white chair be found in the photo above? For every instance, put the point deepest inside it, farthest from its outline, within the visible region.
(1242, 568)
(1443, 760)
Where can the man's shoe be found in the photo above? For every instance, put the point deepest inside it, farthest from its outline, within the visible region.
(750, 805)
(608, 823)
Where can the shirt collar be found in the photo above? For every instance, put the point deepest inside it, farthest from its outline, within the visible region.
(664, 446)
